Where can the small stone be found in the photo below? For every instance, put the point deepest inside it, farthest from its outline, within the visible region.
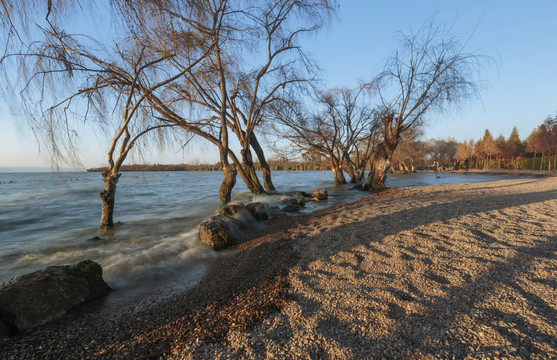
(319, 194)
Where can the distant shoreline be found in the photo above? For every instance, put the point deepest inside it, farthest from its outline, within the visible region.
(274, 165)
(37, 169)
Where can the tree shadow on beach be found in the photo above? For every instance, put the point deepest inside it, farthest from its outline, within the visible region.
(449, 324)
(452, 324)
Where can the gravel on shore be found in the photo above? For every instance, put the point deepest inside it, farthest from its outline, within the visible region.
(447, 271)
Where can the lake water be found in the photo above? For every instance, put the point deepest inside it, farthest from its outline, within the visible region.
(49, 219)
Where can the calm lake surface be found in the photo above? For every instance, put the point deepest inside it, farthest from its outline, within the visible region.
(49, 219)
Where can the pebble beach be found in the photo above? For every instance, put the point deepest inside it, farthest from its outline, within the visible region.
(464, 271)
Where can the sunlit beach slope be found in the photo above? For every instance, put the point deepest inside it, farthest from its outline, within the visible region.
(457, 270)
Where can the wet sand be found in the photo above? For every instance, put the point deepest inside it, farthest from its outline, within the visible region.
(460, 270)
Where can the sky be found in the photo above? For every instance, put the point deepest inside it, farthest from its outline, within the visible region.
(520, 36)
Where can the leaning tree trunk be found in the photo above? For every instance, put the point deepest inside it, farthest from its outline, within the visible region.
(380, 164)
(265, 169)
(359, 172)
(251, 179)
(353, 174)
(107, 195)
(229, 177)
(338, 174)
(225, 190)
(405, 167)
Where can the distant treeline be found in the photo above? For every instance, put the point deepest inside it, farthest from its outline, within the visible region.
(273, 164)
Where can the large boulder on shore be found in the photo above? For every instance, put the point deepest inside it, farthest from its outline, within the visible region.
(218, 231)
(36, 298)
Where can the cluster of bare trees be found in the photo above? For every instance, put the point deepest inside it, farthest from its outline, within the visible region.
(429, 72)
(411, 152)
(185, 65)
(172, 70)
(340, 128)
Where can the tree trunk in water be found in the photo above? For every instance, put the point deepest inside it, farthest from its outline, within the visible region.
(380, 164)
(380, 168)
(228, 182)
(337, 171)
(265, 169)
(361, 174)
(405, 167)
(108, 195)
(241, 170)
(339, 175)
(351, 173)
(253, 183)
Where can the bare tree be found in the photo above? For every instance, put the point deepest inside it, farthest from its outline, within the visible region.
(229, 90)
(409, 150)
(341, 129)
(465, 151)
(441, 151)
(429, 72)
(284, 66)
(69, 79)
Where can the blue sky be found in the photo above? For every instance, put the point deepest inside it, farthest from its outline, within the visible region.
(521, 36)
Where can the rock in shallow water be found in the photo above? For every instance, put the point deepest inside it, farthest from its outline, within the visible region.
(36, 298)
(292, 205)
(237, 211)
(319, 194)
(257, 210)
(217, 231)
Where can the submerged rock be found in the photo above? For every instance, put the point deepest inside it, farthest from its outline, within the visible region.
(218, 231)
(232, 209)
(292, 205)
(33, 299)
(238, 211)
(319, 194)
(257, 210)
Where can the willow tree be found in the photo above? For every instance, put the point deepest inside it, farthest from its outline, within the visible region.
(69, 80)
(431, 71)
(255, 59)
(276, 27)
